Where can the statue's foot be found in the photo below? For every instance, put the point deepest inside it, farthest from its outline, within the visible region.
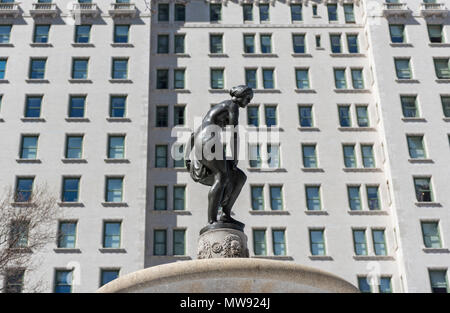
(228, 219)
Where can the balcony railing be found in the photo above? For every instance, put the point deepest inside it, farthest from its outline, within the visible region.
(39, 9)
(433, 9)
(122, 9)
(9, 9)
(88, 9)
(393, 9)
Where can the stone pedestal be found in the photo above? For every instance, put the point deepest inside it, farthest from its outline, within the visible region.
(222, 243)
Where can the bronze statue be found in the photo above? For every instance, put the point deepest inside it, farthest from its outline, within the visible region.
(225, 179)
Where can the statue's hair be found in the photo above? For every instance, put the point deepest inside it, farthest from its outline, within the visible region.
(240, 91)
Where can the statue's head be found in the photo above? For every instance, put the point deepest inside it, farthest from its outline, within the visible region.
(242, 95)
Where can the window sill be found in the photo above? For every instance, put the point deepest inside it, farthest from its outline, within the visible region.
(305, 90)
(83, 45)
(115, 204)
(74, 161)
(443, 80)
(352, 90)
(120, 81)
(41, 44)
(117, 161)
(313, 169)
(320, 258)
(308, 129)
(218, 55)
(373, 258)
(77, 119)
(317, 212)
(80, 81)
(368, 212)
(420, 161)
(4, 81)
(362, 170)
(400, 44)
(439, 44)
(260, 55)
(112, 250)
(20, 250)
(265, 128)
(67, 250)
(71, 204)
(31, 161)
(180, 90)
(267, 90)
(267, 212)
(302, 55)
(273, 257)
(37, 81)
(413, 119)
(436, 250)
(407, 81)
(218, 90)
(181, 257)
(430, 204)
(182, 55)
(122, 45)
(118, 119)
(32, 119)
(171, 211)
(357, 129)
(266, 169)
(347, 55)
(4, 45)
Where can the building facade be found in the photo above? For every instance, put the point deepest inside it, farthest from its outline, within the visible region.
(346, 138)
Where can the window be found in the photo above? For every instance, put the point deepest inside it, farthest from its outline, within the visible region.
(161, 156)
(179, 193)
(254, 156)
(402, 68)
(348, 13)
(309, 156)
(268, 79)
(373, 200)
(344, 116)
(435, 33)
(318, 44)
(18, 236)
(217, 79)
(163, 12)
(215, 43)
(2, 68)
(162, 79)
(363, 284)
(439, 281)
(120, 69)
(279, 242)
(24, 189)
(215, 12)
(409, 106)
(273, 155)
(336, 43)
(423, 189)
(247, 12)
(250, 78)
(179, 79)
(63, 281)
(264, 13)
(397, 33)
(162, 116)
(253, 115)
(431, 236)
(257, 198)
(178, 157)
(179, 242)
(317, 241)
(352, 43)
(114, 189)
(266, 43)
(259, 242)
(67, 234)
(298, 42)
(332, 12)
(368, 159)
(276, 200)
(339, 78)
(71, 188)
(160, 240)
(357, 79)
(415, 147)
(379, 243)
(121, 33)
(313, 202)
(271, 115)
(108, 275)
(117, 106)
(112, 234)
(5, 33)
(180, 12)
(160, 198)
(82, 33)
(163, 44)
(178, 115)
(249, 43)
(305, 115)
(385, 285)
(28, 149)
(302, 78)
(41, 33)
(359, 241)
(446, 105)
(77, 106)
(296, 12)
(80, 68)
(354, 198)
(362, 116)
(442, 68)
(314, 9)
(179, 44)
(13, 281)
(116, 147)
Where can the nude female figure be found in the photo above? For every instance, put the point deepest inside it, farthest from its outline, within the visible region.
(225, 179)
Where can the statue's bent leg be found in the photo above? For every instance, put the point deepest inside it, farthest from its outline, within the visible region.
(215, 194)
